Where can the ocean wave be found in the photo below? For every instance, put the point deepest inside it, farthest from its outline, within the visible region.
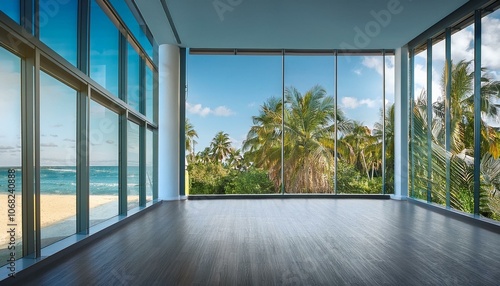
(62, 170)
(103, 184)
(110, 170)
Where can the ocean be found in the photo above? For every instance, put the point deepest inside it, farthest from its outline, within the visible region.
(62, 180)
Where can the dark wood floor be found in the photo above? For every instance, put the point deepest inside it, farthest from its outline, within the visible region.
(285, 242)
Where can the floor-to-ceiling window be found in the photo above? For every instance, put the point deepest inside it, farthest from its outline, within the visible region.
(333, 137)
(461, 190)
(233, 103)
(490, 121)
(63, 151)
(103, 162)
(388, 129)
(10, 157)
(439, 123)
(309, 124)
(420, 131)
(461, 128)
(57, 160)
(359, 113)
(132, 165)
(149, 165)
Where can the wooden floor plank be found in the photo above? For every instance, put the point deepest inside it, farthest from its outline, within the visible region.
(285, 242)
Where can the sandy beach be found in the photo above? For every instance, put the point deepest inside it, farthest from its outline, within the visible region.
(56, 209)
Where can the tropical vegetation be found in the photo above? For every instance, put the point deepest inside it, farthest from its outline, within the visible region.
(309, 127)
(435, 159)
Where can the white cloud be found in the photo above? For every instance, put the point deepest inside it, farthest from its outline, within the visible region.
(373, 63)
(376, 63)
(357, 71)
(222, 111)
(489, 49)
(462, 45)
(352, 103)
(197, 109)
(420, 75)
(204, 111)
(368, 102)
(437, 89)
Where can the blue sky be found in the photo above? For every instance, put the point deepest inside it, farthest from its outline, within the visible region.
(224, 92)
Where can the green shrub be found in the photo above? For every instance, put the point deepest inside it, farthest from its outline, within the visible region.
(252, 181)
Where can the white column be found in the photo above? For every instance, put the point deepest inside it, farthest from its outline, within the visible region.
(168, 122)
(401, 125)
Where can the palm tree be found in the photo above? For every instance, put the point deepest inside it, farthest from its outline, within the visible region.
(461, 127)
(378, 132)
(203, 156)
(235, 159)
(309, 140)
(190, 141)
(353, 147)
(263, 142)
(309, 126)
(462, 110)
(220, 147)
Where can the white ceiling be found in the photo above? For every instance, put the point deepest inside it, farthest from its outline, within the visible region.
(293, 24)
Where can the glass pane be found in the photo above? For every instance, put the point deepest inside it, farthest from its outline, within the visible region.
(490, 98)
(419, 141)
(233, 139)
(57, 160)
(103, 50)
(462, 120)
(132, 24)
(438, 126)
(132, 165)
(309, 124)
(150, 94)
(359, 144)
(10, 157)
(149, 165)
(103, 160)
(58, 27)
(12, 8)
(389, 124)
(133, 83)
